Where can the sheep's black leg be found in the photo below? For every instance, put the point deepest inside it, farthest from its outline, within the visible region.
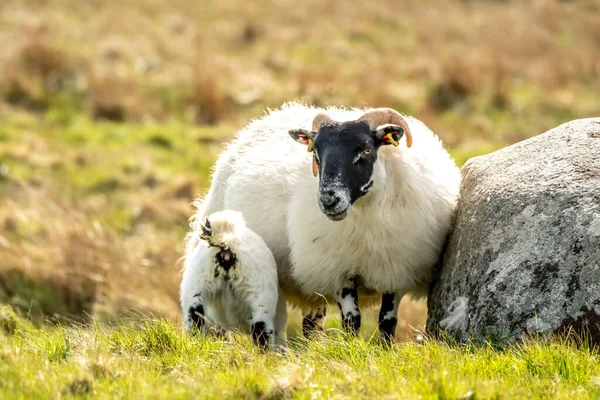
(196, 314)
(388, 316)
(348, 303)
(313, 321)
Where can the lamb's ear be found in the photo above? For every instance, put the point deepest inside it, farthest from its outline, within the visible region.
(391, 134)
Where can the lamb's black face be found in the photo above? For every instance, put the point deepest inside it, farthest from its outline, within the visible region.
(344, 155)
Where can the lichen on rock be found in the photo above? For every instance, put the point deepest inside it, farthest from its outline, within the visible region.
(525, 250)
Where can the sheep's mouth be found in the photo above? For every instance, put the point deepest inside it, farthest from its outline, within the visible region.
(337, 216)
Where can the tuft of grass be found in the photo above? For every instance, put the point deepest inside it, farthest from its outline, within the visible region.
(11, 322)
(114, 98)
(37, 73)
(207, 98)
(155, 359)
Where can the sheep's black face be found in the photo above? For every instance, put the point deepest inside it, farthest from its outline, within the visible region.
(344, 156)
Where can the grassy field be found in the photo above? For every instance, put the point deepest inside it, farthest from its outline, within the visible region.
(112, 114)
(154, 360)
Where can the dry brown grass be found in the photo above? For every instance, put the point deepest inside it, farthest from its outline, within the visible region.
(33, 72)
(113, 98)
(425, 58)
(208, 99)
(76, 266)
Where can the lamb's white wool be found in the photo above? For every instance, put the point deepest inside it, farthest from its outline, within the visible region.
(457, 315)
(231, 275)
(391, 237)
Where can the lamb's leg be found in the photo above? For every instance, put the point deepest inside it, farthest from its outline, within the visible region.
(263, 299)
(388, 316)
(194, 320)
(313, 321)
(262, 295)
(262, 324)
(347, 300)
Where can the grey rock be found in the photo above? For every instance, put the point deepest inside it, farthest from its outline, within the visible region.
(524, 256)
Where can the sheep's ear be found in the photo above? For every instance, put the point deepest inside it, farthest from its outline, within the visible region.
(302, 135)
(388, 134)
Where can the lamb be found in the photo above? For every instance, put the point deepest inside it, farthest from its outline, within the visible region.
(370, 217)
(230, 281)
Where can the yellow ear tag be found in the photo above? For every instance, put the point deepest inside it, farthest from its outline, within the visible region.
(309, 145)
(391, 139)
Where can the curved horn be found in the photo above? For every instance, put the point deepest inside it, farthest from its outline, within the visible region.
(382, 116)
(320, 118)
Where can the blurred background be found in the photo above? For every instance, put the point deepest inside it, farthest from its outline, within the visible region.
(112, 113)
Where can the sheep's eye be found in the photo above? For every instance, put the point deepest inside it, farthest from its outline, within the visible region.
(362, 156)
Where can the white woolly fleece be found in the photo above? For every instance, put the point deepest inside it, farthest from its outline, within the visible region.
(250, 293)
(392, 237)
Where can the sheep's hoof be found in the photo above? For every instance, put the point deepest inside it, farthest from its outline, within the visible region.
(351, 324)
(282, 349)
(386, 340)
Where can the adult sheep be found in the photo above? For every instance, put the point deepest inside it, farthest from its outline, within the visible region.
(370, 217)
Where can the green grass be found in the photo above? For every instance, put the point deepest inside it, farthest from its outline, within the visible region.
(93, 213)
(154, 359)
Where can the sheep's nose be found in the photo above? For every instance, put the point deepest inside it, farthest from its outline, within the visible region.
(329, 198)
